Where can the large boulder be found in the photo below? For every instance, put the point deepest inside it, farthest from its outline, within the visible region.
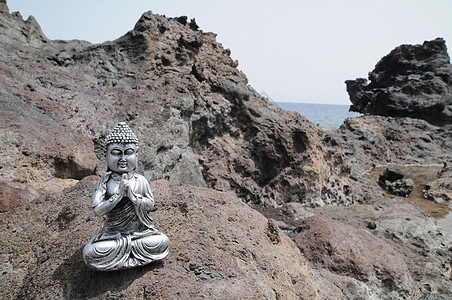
(197, 119)
(411, 81)
(220, 249)
(392, 179)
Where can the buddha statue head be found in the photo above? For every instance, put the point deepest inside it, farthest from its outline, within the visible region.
(121, 149)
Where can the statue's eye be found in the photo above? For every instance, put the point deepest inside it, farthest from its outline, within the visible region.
(129, 152)
(115, 152)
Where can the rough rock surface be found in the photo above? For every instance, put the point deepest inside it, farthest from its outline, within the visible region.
(34, 153)
(370, 141)
(392, 180)
(411, 81)
(440, 189)
(216, 252)
(196, 117)
(15, 194)
(411, 231)
(379, 271)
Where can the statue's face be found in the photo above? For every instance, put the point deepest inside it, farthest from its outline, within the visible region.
(122, 158)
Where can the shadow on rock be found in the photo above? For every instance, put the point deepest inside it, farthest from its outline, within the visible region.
(80, 282)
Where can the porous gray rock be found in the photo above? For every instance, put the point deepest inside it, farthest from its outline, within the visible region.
(400, 187)
(411, 81)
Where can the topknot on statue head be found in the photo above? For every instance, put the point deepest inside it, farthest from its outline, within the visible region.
(121, 134)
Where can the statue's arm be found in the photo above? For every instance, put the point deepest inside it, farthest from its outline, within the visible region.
(144, 194)
(100, 205)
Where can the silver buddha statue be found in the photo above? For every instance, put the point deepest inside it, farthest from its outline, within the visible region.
(129, 237)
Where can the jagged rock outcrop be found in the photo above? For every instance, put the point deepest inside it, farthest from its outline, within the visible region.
(409, 89)
(198, 120)
(14, 28)
(411, 81)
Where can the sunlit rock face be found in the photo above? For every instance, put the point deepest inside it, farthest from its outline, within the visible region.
(411, 81)
(198, 120)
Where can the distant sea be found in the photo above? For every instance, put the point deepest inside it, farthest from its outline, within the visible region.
(324, 115)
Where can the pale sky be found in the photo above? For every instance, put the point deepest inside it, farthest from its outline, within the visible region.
(293, 51)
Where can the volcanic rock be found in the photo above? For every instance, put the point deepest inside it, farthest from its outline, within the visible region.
(411, 81)
(199, 123)
(392, 180)
(220, 249)
(369, 141)
(350, 252)
(197, 119)
(391, 174)
(400, 187)
(15, 194)
(34, 153)
(440, 189)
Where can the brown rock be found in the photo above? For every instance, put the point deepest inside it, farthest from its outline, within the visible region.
(220, 248)
(199, 123)
(371, 224)
(33, 153)
(347, 251)
(15, 194)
